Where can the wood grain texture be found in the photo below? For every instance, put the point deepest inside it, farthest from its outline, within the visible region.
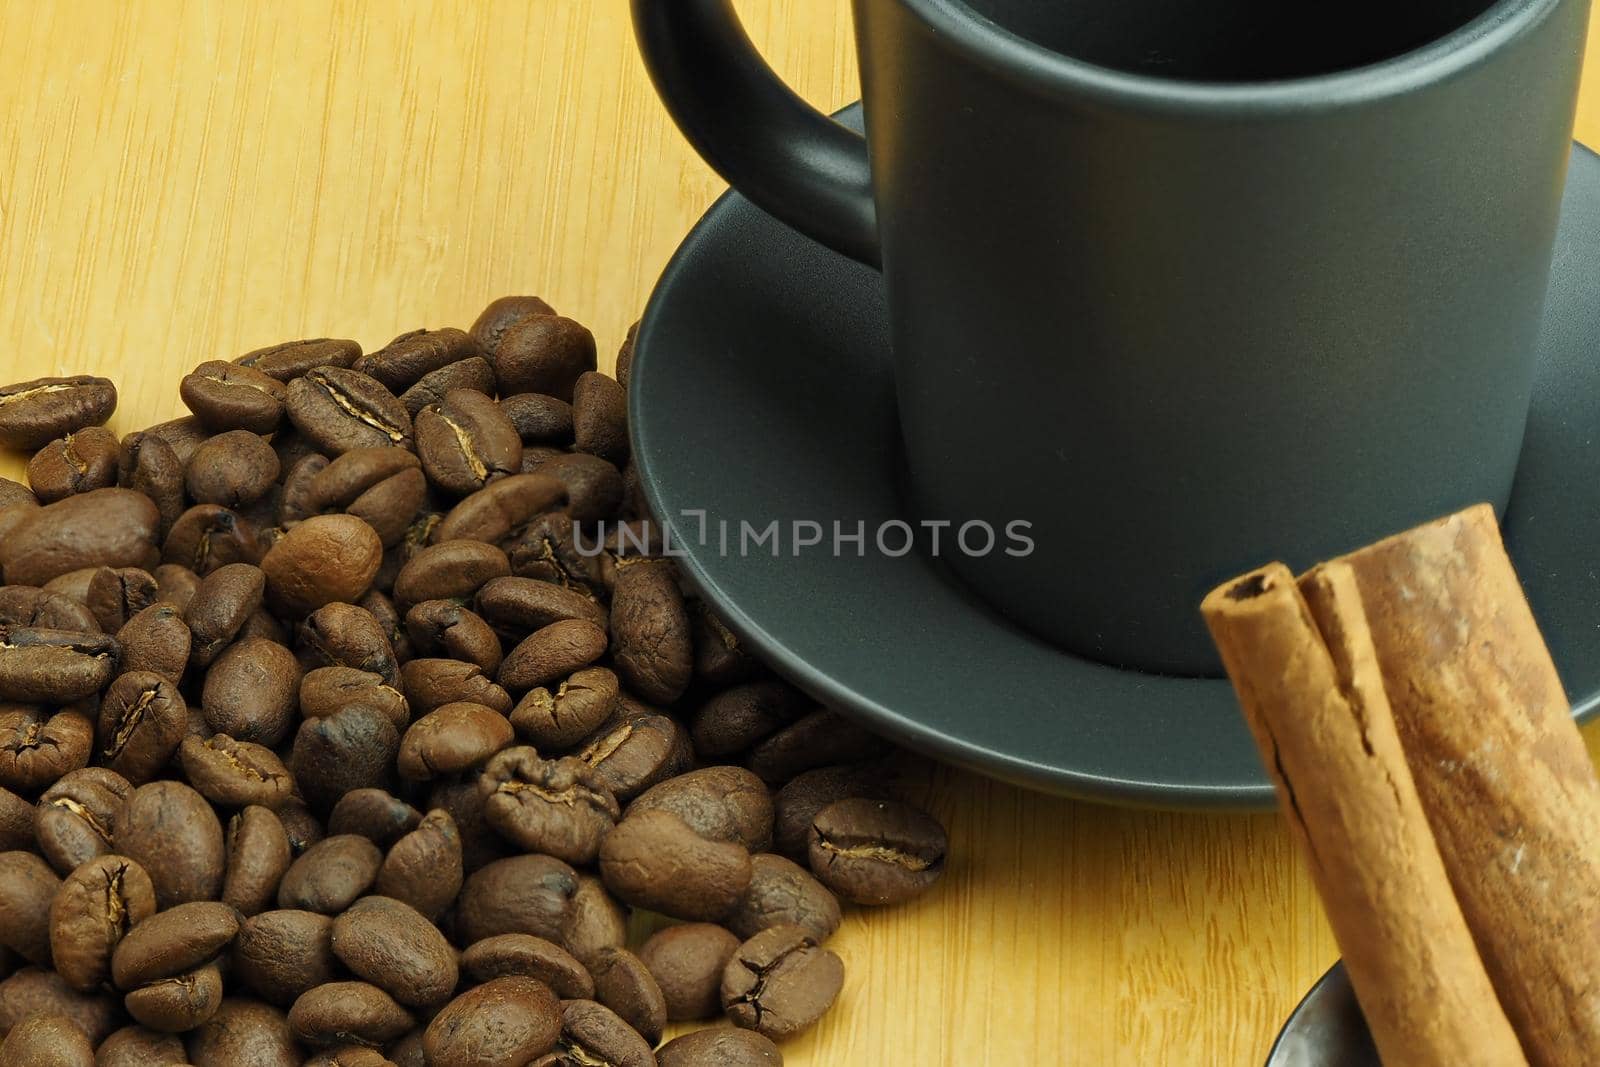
(187, 180)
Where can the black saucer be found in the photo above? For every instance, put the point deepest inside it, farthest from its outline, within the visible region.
(761, 391)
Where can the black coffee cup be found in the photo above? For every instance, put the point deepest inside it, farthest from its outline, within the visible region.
(1186, 286)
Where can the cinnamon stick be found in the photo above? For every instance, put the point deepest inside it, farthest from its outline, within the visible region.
(1316, 706)
(1501, 769)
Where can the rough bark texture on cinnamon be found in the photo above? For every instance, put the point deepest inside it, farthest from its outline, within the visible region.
(1316, 707)
(1503, 774)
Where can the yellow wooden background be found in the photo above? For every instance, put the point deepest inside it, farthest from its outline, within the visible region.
(181, 181)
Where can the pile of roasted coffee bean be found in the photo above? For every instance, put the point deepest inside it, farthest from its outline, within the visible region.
(345, 720)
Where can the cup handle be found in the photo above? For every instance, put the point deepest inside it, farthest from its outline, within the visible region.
(790, 159)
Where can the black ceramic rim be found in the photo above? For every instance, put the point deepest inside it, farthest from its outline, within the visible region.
(1018, 59)
(1098, 733)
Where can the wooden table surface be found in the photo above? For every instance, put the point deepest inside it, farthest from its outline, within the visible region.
(187, 180)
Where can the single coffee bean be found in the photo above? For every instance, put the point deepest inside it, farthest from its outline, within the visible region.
(231, 469)
(452, 739)
(446, 629)
(177, 940)
(57, 666)
(634, 753)
(345, 635)
(170, 830)
(424, 868)
(228, 396)
(148, 464)
(687, 963)
(225, 599)
(16, 824)
(551, 653)
(650, 630)
(375, 815)
(449, 570)
(384, 487)
(343, 1012)
(575, 709)
(403, 361)
(519, 895)
(330, 875)
(625, 985)
(466, 441)
(720, 658)
(595, 921)
(244, 1033)
(235, 774)
(780, 982)
(95, 908)
(736, 719)
(136, 1046)
(507, 1020)
(323, 559)
(551, 806)
(327, 689)
(291, 359)
(282, 954)
(600, 417)
(115, 595)
(39, 744)
(338, 409)
(143, 719)
(27, 888)
(593, 1033)
(653, 860)
(104, 527)
(299, 500)
(14, 492)
(251, 691)
(474, 373)
(530, 957)
(819, 739)
(180, 1003)
(718, 803)
(432, 683)
(32, 413)
(47, 1041)
(625, 355)
(77, 816)
(78, 463)
(782, 893)
(720, 1047)
(349, 749)
(593, 486)
(876, 851)
(502, 314)
(539, 419)
(176, 585)
(548, 548)
(522, 604)
(392, 945)
(258, 856)
(543, 354)
(303, 827)
(498, 510)
(182, 435)
(208, 536)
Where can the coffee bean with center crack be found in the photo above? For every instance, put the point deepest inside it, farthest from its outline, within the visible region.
(291, 359)
(406, 359)
(76, 463)
(94, 910)
(34, 412)
(77, 816)
(339, 409)
(39, 744)
(876, 851)
(552, 806)
(780, 982)
(561, 717)
(227, 396)
(235, 774)
(466, 441)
